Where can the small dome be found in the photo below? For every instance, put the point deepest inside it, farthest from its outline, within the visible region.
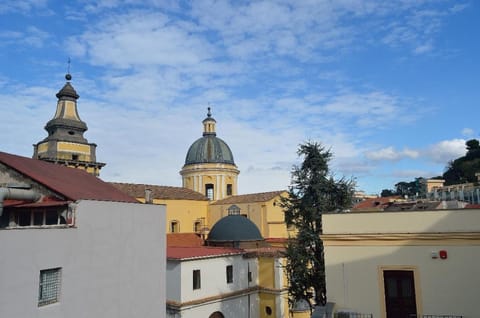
(209, 149)
(234, 228)
(67, 91)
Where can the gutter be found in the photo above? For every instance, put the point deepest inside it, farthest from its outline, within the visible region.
(17, 194)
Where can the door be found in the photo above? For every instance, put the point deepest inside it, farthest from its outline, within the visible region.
(399, 294)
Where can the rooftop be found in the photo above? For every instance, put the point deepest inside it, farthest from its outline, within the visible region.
(72, 184)
(249, 198)
(159, 192)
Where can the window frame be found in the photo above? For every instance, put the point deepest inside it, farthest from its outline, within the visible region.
(49, 286)
(229, 274)
(197, 279)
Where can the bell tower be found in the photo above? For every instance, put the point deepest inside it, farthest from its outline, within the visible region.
(65, 143)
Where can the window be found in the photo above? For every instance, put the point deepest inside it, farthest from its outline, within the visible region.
(249, 276)
(196, 279)
(38, 217)
(229, 189)
(209, 191)
(197, 226)
(233, 210)
(174, 227)
(49, 286)
(229, 270)
(268, 310)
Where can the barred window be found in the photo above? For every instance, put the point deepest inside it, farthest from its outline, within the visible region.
(49, 286)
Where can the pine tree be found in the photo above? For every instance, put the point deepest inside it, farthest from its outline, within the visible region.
(313, 191)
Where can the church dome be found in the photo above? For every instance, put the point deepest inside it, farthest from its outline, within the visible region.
(209, 148)
(234, 228)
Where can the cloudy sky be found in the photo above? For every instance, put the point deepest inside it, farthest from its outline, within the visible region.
(391, 87)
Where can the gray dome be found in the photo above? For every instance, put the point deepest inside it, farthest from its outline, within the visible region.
(209, 149)
(234, 228)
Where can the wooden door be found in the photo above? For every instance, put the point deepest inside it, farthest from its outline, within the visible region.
(399, 294)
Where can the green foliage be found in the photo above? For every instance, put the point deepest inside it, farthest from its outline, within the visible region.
(463, 169)
(410, 189)
(313, 192)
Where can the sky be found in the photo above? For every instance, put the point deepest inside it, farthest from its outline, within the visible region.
(391, 88)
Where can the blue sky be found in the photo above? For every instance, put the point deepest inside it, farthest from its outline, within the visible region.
(391, 87)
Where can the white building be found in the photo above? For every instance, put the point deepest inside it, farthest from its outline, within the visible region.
(236, 274)
(73, 246)
(397, 264)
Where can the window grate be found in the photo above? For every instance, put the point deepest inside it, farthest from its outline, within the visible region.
(49, 286)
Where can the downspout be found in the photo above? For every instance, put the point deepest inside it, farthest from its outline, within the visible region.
(17, 194)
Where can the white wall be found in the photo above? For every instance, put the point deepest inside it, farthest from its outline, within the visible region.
(354, 268)
(113, 264)
(213, 285)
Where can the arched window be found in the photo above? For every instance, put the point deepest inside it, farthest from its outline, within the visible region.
(174, 226)
(216, 314)
(197, 226)
(209, 191)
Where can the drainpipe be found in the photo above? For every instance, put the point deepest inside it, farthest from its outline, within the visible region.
(17, 194)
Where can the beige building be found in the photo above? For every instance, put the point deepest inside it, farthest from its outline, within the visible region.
(396, 264)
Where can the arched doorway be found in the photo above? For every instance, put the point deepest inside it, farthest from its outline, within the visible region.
(217, 314)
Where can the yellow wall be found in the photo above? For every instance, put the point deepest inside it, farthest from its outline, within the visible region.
(185, 212)
(267, 300)
(73, 147)
(268, 216)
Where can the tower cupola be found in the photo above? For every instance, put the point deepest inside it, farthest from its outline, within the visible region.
(65, 143)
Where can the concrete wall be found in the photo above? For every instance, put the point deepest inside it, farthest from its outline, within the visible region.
(359, 247)
(113, 264)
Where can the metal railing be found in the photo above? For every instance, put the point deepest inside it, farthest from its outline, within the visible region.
(351, 315)
(441, 316)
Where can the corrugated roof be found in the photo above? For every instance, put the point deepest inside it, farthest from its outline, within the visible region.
(184, 240)
(185, 253)
(73, 184)
(248, 198)
(159, 192)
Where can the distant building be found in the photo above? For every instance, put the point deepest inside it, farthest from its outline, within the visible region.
(74, 246)
(467, 192)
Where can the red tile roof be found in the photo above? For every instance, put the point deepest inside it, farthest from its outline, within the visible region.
(249, 198)
(184, 240)
(187, 253)
(159, 192)
(375, 203)
(73, 184)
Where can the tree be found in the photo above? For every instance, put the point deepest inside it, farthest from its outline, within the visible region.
(313, 191)
(463, 169)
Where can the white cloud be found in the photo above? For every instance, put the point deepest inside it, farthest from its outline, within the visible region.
(468, 132)
(446, 150)
(391, 154)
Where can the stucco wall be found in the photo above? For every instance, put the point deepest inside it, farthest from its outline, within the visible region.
(355, 263)
(215, 294)
(113, 264)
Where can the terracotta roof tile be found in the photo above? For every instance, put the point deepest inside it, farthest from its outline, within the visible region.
(184, 240)
(185, 253)
(159, 192)
(73, 184)
(375, 203)
(248, 198)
